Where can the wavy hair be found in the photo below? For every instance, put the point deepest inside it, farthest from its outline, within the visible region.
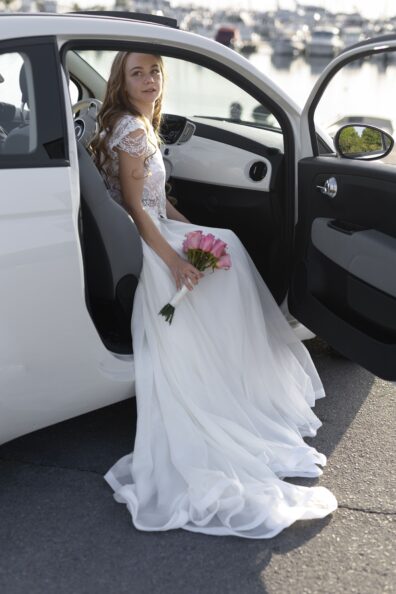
(116, 104)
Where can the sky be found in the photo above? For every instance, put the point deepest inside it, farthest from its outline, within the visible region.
(369, 8)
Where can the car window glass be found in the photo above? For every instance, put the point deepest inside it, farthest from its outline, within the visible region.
(33, 130)
(202, 92)
(194, 90)
(369, 97)
(18, 133)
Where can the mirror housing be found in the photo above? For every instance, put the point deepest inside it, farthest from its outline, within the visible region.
(364, 142)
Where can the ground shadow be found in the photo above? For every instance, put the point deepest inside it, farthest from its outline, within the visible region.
(347, 386)
(92, 442)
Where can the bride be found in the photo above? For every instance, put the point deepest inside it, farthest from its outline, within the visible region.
(224, 394)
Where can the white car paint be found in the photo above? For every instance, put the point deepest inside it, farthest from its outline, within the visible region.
(43, 375)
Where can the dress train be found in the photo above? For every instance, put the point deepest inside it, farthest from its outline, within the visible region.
(224, 399)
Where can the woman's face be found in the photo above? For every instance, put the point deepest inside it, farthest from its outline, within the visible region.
(143, 78)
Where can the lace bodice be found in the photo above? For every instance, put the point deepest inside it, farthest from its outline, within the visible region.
(121, 138)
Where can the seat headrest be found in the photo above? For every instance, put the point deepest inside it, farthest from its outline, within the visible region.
(7, 113)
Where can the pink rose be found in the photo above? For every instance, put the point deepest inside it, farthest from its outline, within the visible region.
(206, 242)
(218, 248)
(224, 262)
(192, 240)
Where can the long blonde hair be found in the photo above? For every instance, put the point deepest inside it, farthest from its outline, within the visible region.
(116, 104)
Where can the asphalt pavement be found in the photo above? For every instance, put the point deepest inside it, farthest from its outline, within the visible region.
(62, 532)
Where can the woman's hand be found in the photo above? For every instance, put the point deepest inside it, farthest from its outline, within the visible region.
(184, 273)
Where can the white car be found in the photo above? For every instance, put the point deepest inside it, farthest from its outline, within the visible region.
(320, 228)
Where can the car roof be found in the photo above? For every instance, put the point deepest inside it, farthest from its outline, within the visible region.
(69, 27)
(112, 14)
(102, 26)
(134, 16)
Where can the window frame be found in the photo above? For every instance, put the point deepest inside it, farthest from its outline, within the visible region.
(213, 63)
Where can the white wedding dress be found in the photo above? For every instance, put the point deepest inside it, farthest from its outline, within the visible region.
(224, 393)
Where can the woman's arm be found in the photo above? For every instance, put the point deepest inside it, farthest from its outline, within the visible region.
(131, 174)
(173, 213)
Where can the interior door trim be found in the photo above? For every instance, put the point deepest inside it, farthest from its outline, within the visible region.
(368, 254)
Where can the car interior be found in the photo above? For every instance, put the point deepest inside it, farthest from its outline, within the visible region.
(259, 219)
(256, 217)
(14, 123)
(111, 245)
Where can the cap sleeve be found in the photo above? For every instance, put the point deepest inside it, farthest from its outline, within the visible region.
(130, 135)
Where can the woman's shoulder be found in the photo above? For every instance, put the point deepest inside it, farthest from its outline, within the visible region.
(123, 127)
(127, 123)
(122, 136)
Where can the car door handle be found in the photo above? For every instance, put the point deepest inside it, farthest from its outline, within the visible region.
(329, 188)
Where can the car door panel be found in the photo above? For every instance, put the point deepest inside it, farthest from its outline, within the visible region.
(53, 364)
(343, 286)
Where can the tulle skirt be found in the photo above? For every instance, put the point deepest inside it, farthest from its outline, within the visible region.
(224, 397)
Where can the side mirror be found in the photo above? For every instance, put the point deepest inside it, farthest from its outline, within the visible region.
(367, 143)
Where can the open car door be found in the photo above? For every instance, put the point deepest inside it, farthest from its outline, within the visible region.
(343, 286)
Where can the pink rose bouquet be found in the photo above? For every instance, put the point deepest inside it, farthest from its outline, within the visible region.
(203, 251)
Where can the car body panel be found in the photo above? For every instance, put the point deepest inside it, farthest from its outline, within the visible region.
(44, 378)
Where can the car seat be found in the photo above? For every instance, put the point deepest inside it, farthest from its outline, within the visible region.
(17, 141)
(113, 257)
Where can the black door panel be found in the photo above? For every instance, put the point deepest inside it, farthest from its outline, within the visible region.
(256, 217)
(362, 304)
(362, 252)
(343, 285)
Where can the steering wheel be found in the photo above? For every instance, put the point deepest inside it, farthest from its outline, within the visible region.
(86, 104)
(85, 122)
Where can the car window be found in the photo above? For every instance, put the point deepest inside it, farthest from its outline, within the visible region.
(32, 113)
(194, 90)
(369, 97)
(17, 110)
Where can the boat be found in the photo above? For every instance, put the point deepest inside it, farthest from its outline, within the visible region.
(351, 35)
(288, 43)
(324, 41)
